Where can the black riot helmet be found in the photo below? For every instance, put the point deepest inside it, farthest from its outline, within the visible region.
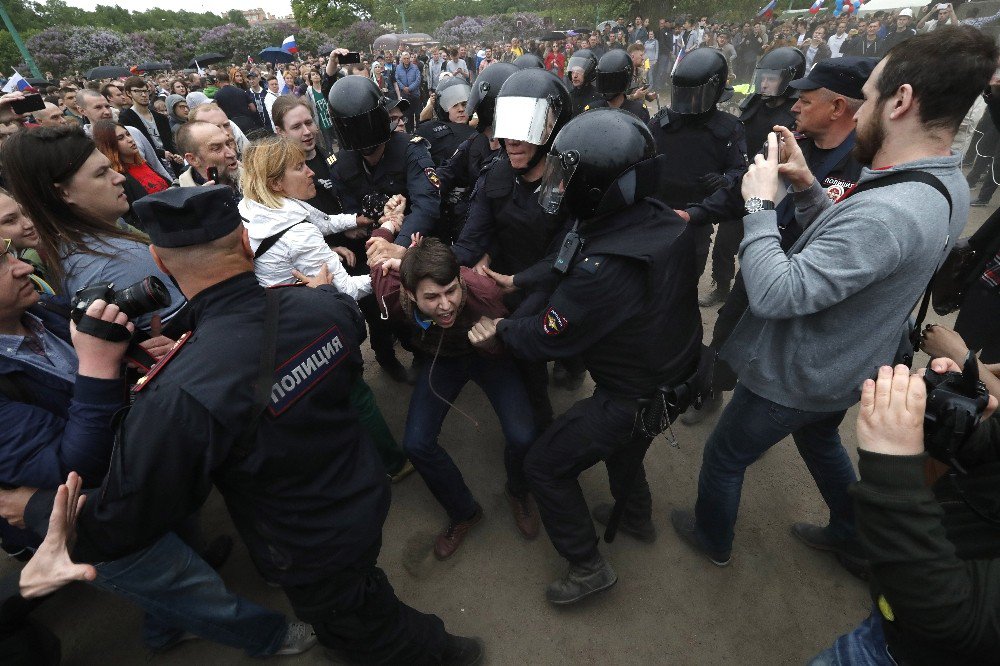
(533, 105)
(583, 61)
(483, 99)
(602, 161)
(777, 69)
(699, 82)
(453, 90)
(360, 116)
(528, 61)
(614, 73)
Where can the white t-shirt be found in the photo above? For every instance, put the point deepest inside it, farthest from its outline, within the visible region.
(836, 42)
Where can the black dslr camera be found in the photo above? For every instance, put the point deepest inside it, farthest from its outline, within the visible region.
(955, 405)
(373, 205)
(145, 296)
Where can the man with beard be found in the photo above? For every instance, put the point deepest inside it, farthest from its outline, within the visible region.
(837, 304)
(824, 118)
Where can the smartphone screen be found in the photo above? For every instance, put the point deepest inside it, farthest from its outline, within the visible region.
(28, 104)
(213, 174)
(349, 57)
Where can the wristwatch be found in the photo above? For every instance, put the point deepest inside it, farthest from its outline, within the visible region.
(756, 204)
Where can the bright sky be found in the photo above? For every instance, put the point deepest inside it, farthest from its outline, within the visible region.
(276, 7)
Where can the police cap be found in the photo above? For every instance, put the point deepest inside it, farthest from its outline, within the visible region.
(844, 76)
(185, 216)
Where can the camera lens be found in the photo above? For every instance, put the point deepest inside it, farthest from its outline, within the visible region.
(145, 296)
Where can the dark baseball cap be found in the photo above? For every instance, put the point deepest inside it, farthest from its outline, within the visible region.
(844, 76)
(185, 216)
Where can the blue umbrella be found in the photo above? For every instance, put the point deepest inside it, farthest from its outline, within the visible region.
(274, 54)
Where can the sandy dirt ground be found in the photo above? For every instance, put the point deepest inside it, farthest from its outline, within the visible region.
(777, 603)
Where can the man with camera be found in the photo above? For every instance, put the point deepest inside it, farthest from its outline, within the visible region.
(59, 390)
(256, 402)
(934, 552)
(873, 251)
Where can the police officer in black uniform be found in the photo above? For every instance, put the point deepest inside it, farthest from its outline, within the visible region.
(580, 74)
(528, 61)
(711, 141)
(460, 172)
(613, 83)
(505, 219)
(771, 105)
(255, 402)
(835, 168)
(375, 163)
(450, 125)
(626, 300)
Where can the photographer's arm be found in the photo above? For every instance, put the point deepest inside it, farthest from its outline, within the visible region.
(930, 590)
(941, 341)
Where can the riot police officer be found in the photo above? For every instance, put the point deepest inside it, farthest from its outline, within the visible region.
(505, 219)
(528, 61)
(711, 141)
(613, 82)
(626, 300)
(460, 171)
(376, 163)
(580, 73)
(772, 102)
(450, 125)
(771, 105)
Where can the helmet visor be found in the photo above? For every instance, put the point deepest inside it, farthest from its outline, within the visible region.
(696, 99)
(772, 82)
(577, 64)
(366, 130)
(559, 170)
(454, 94)
(526, 119)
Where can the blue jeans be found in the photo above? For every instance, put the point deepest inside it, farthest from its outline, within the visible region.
(747, 428)
(181, 593)
(865, 646)
(502, 384)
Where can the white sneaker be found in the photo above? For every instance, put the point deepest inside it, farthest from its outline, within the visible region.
(300, 637)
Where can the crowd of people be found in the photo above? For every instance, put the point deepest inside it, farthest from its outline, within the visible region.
(192, 262)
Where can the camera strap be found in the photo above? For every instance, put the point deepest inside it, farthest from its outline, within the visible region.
(935, 182)
(265, 376)
(105, 330)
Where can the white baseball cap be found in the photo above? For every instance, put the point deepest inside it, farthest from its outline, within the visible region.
(907, 12)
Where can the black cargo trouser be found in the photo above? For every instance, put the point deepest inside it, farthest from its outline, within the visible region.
(594, 429)
(356, 614)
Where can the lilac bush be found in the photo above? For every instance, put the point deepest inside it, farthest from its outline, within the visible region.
(359, 36)
(68, 49)
(497, 27)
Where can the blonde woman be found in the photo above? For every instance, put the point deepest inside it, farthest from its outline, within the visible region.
(286, 233)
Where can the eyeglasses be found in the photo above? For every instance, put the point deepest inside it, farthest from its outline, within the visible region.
(7, 252)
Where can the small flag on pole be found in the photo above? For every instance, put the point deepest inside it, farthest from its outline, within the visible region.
(289, 44)
(16, 82)
(768, 9)
(816, 6)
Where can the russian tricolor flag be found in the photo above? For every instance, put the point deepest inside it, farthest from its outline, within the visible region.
(767, 9)
(816, 6)
(289, 44)
(16, 82)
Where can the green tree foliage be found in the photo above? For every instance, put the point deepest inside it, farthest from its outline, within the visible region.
(331, 15)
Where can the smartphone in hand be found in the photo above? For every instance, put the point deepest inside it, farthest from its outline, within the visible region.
(28, 104)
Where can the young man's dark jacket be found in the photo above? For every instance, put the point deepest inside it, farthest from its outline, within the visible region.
(130, 117)
(51, 426)
(310, 496)
(935, 562)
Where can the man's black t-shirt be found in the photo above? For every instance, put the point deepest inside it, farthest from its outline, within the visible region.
(326, 198)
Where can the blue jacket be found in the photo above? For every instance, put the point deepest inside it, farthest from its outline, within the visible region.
(65, 427)
(410, 77)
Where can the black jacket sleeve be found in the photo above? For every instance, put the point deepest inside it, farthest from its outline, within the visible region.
(933, 595)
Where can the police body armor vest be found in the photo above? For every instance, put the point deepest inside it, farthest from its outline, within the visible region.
(696, 147)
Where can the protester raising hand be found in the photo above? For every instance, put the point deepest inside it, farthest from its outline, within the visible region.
(51, 567)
